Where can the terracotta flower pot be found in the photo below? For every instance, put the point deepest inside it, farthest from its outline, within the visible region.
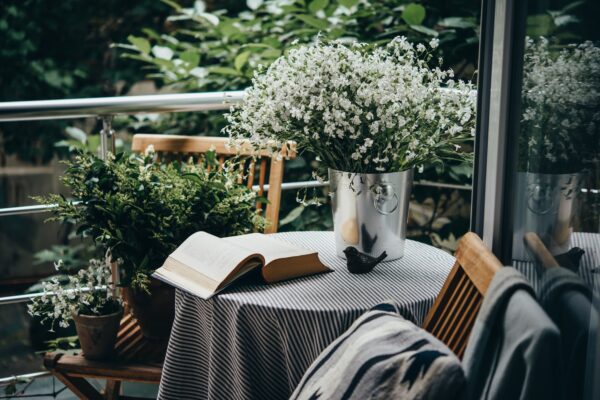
(97, 334)
(154, 312)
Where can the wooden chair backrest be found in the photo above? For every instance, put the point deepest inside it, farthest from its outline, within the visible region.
(257, 168)
(453, 313)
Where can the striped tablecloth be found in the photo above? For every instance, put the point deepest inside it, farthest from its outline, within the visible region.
(255, 341)
(589, 266)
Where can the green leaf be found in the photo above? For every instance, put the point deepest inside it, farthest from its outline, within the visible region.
(173, 4)
(540, 25)
(413, 14)
(140, 43)
(348, 3)
(76, 134)
(317, 5)
(162, 52)
(211, 18)
(271, 53)
(292, 216)
(312, 21)
(424, 29)
(457, 22)
(191, 57)
(254, 4)
(241, 60)
(224, 71)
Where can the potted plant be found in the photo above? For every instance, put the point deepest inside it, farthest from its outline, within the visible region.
(89, 300)
(140, 211)
(371, 115)
(559, 135)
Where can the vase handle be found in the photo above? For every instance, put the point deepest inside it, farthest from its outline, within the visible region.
(382, 192)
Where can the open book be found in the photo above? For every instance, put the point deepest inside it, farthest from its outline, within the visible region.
(205, 264)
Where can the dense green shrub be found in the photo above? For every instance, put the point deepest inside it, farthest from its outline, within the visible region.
(141, 211)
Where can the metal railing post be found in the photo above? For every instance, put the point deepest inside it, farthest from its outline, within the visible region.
(107, 136)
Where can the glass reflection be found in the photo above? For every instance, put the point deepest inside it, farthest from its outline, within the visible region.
(556, 237)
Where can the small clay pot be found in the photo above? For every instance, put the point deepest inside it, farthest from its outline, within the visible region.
(154, 312)
(97, 334)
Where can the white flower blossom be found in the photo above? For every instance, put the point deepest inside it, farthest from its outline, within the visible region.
(91, 287)
(379, 110)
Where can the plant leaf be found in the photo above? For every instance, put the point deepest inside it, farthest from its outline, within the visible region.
(312, 21)
(254, 4)
(424, 29)
(292, 215)
(348, 3)
(241, 60)
(162, 52)
(191, 57)
(76, 134)
(317, 5)
(212, 18)
(140, 43)
(413, 14)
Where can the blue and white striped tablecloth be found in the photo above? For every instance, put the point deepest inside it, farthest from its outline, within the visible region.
(255, 341)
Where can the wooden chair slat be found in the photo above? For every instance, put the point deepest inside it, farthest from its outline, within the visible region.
(455, 328)
(262, 173)
(461, 336)
(453, 313)
(450, 286)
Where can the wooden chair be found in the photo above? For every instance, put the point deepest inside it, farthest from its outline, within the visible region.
(255, 166)
(137, 359)
(453, 313)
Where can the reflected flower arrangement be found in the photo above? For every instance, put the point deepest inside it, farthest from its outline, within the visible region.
(561, 107)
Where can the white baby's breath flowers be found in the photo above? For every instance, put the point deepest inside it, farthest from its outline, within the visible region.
(560, 119)
(90, 289)
(358, 110)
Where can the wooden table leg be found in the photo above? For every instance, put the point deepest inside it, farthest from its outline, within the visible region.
(79, 386)
(112, 390)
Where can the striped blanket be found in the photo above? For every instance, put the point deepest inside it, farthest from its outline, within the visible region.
(383, 356)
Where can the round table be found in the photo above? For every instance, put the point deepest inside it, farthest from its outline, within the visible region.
(255, 341)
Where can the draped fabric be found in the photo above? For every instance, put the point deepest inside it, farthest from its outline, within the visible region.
(255, 341)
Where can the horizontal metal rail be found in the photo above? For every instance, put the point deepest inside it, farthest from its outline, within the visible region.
(16, 378)
(24, 298)
(125, 105)
(23, 210)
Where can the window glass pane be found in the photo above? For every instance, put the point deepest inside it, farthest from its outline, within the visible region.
(556, 226)
(556, 193)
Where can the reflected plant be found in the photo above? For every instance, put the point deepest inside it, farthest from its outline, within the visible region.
(561, 107)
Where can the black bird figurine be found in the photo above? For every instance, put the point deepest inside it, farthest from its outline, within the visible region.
(361, 263)
(570, 259)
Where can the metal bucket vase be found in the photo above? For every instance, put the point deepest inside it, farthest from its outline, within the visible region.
(545, 205)
(370, 211)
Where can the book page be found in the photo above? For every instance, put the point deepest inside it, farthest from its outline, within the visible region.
(211, 256)
(272, 249)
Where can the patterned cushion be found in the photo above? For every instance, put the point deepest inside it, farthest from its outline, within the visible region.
(383, 356)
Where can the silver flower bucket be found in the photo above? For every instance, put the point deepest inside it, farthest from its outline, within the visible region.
(545, 205)
(370, 211)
